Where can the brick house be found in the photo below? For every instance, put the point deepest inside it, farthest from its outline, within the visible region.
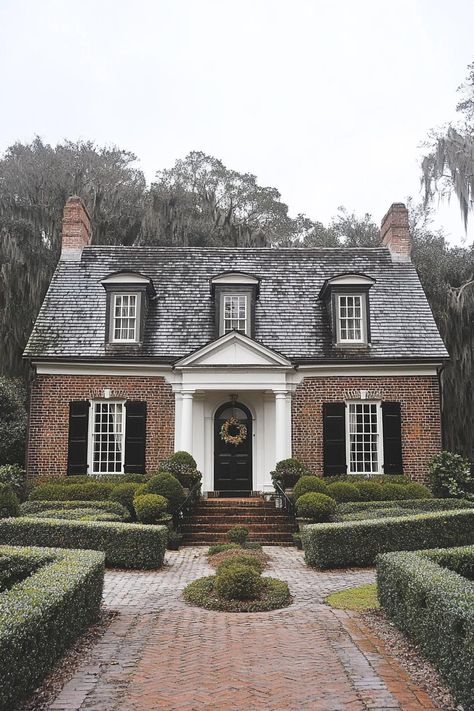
(329, 355)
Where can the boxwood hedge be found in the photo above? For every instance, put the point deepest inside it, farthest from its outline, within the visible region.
(113, 507)
(90, 491)
(336, 545)
(418, 504)
(126, 545)
(434, 606)
(44, 614)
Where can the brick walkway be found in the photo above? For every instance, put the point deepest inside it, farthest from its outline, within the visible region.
(160, 653)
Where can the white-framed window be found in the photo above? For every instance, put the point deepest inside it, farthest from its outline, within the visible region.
(364, 441)
(125, 307)
(351, 326)
(235, 313)
(107, 437)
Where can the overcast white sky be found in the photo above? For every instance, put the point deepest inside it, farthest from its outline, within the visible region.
(327, 101)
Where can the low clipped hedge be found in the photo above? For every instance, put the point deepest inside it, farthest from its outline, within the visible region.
(416, 504)
(337, 545)
(149, 507)
(89, 491)
(343, 491)
(126, 545)
(112, 507)
(44, 614)
(87, 514)
(434, 606)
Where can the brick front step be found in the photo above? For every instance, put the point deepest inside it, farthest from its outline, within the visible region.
(237, 520)
(209, 538)
(224, 527)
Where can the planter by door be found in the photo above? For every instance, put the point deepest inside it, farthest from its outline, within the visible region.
(233, 462)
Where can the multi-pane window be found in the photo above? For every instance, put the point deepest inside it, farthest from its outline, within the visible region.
(235, 312)
(107, 437)
(125, 317)
(351, 325)
(364, 437)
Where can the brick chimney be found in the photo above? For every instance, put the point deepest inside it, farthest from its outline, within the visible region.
(395, 232)
(76, 232)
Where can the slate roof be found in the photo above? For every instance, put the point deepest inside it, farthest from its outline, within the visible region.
(289, 318)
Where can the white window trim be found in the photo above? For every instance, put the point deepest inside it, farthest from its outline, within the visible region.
(114, 296)
(90, 444)
(246, 295)
(363, 313)
(380, 451)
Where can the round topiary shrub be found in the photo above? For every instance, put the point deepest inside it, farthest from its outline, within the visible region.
(247, 560)
(14, 475)
(166, 485)
(239, 582)
(238, 534)
(342, 491)
(9, 502)
(394, 492)
(183, 458)
(309, 483)
(369, 490)
(124, 494)
(318, 507)
(288, 471)
(418, 491)
(149, 507)
(182, 466)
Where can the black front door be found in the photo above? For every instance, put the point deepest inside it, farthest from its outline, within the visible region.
(233, 461)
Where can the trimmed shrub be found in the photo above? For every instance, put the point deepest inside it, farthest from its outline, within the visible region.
(14, 475)
(149, 507)
(89, 491)
(306, 484)
(87, 514)
(165, 485)
(343, 491)
(434, 606)
(238, 534)
(418, 491)
(220, 547)
(415, 504)
(338, 545)
(288, 471)
(450, 475)
(41, 617)
(124, 494)
(201, 592)
(369, 490)
(126, 545)
(395, 492)
(239, 582)
(318, 507)
(9, 503)
(112, 507)
(375, 478)
(183, 466)
(247, 560)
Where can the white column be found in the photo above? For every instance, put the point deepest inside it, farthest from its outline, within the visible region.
(186, 440)
(280, 425)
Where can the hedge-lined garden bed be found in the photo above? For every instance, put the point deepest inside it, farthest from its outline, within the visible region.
(126, 545)
(358, 510)
(35, 507)
(44, 614)
(336, 545)
(434, 606)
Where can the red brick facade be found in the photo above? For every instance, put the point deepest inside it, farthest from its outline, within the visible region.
(49, 416)
(420, 410)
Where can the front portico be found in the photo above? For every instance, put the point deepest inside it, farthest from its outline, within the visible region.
(234, 371)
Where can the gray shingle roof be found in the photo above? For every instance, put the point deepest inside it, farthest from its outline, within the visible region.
(288, 317)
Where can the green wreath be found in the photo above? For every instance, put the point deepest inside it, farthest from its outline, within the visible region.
(235, 439)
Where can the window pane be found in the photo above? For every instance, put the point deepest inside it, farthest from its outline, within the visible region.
(350, 318)
(125, 317)
(363, 438)
(107, 438)
(235, 312)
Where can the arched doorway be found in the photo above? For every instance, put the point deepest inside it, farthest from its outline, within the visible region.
(233, 462)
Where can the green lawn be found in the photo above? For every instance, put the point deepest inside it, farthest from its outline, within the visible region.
(363, 598)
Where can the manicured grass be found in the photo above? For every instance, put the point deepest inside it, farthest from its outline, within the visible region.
(201, 592)
(363, 598)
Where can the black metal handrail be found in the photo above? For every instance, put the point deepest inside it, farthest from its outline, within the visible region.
(186, 507)
(284, 502)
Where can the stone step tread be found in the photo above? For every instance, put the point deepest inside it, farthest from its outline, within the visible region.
(223, 527)
(219, 538)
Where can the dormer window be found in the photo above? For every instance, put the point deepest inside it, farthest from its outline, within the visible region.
(235, 294)
(127, 299)
(347, 302)
(125, 318)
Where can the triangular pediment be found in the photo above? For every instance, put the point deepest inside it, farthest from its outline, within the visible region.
(234, 349)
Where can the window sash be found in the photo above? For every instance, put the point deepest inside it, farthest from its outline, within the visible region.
(234, 313)
(124, 318)
(107, 444)
(364, 441)
(351, 318)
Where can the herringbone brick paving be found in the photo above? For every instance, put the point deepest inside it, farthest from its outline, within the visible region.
(161, 654)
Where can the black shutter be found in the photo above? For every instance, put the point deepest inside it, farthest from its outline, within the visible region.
(392, 438)
(78, 437)
(334, 438)
(135, 437)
